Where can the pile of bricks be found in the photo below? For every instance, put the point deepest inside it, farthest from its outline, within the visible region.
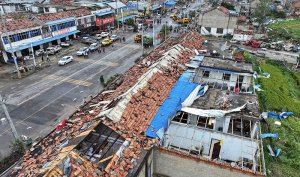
(135, 119)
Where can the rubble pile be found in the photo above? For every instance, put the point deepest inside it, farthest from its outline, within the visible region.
(134, 121)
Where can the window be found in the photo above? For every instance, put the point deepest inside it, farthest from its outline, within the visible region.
(226, 77)
(85, 20)
(79, 21)
(46, 9)
(5, 39)
(205, 73)
(92, 19)
(220, 30)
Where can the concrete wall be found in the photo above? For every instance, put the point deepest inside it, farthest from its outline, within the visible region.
(174, 166)
(192, 137)
(241, 37)
(217, 19)
(213, 31)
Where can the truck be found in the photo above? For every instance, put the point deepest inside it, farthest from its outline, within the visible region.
(253, 43)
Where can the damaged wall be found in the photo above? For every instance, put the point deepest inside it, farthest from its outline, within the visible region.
(180, 136)
(172, 165)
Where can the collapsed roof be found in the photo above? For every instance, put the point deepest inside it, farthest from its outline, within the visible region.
(127, 111)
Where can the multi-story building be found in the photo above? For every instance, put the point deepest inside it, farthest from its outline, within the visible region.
(39, 31)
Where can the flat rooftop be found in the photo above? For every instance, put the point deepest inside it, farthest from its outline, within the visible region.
(225, 100)
(226, 64)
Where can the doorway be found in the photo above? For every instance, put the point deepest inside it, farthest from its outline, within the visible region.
(215, 149)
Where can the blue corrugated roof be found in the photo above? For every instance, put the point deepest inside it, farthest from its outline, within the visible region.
(104, 13)
(60, 21)
(172, 104)
(43, 41)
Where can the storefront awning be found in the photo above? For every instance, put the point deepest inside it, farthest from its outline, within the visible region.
(43, 41)
(126, 17)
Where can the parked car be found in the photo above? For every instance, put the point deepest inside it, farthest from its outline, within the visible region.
(39, 52)
(53, 50)
(93, 47)
(106, 42)
(82, 50)
(65, 44)
(114, 37)
(65, 60)
(130, 28)
(288, 47)
(104, 34)
(260, 53)
(296, 48)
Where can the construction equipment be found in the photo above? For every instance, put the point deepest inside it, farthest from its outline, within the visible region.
(138, 38)
(183, 20)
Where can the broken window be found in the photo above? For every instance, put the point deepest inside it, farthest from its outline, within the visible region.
(226, 77)
(205, 73)
(220, 30)
(181, 117)
(100, 145)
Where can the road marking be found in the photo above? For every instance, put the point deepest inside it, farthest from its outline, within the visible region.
(69, 80)
(101, 62)
(63, 80)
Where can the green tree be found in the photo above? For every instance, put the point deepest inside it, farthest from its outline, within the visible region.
(228, 6)
(214, 3)
(165, 30)
(261, 12)
(130, 22)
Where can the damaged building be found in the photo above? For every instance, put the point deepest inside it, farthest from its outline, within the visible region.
(161, 120)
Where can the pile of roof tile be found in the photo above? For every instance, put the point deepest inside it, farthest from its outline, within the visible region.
(134, 121)
(61, 2)
(65, 14)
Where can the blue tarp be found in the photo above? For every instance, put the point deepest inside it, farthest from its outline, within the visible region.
(170, 3)
(197, 58)
(60, 21)
(43, 41)
(280, 116)
(172, 104)
(270, 135)
(126, 17)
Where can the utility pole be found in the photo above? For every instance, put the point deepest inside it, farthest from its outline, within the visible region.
(117, 14)
(166, 26)
(142, 39)
(153, 34)
(10, 46)
(12, 126)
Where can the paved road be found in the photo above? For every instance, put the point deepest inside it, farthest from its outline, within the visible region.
(37, 103)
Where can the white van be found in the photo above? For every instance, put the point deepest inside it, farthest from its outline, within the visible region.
(93, 47)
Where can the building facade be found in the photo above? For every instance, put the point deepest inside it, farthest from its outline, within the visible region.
(216, 22)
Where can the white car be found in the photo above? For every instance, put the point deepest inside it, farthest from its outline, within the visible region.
(82, 51)
(114, 37)
(65, 60)
(93, 47)
(104, 34)
(65, 44)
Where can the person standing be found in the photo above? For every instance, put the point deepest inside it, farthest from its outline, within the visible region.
(48, 59)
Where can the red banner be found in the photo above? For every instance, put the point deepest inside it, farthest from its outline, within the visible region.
(100, 22)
